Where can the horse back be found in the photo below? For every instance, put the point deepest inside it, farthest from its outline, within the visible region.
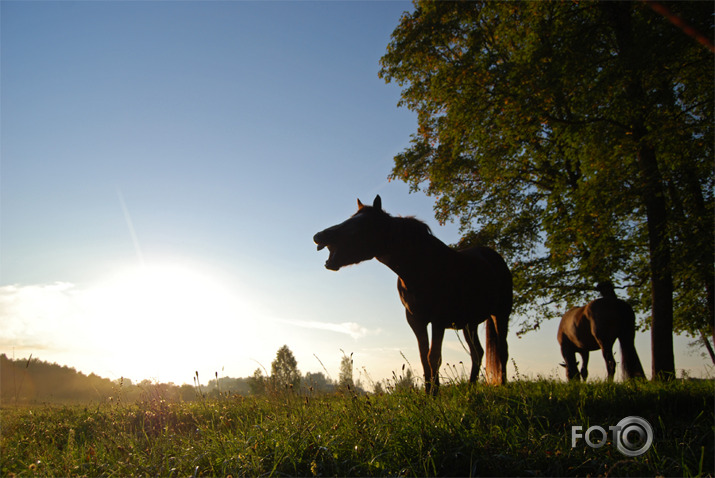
(614, 317)
(496, 277)
(457, 287)
(602, 320)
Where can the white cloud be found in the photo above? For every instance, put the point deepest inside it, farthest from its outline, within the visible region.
(354, 330)
(34, 316)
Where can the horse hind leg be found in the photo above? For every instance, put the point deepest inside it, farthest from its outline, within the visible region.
(605, 339)
(475, 350)
(610, 361)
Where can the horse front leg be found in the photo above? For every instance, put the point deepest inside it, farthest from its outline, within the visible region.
(435, 356)
(475, 350)
(568, 352)
(420, 330)
(584, 367)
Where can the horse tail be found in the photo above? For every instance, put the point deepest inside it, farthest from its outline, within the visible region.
(632, 367)
(496, 352)
(631, 364)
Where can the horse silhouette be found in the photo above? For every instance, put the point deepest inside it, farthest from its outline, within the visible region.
(595, 326)
(437, 284)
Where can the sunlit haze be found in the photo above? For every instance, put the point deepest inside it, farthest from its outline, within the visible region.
(164, 168)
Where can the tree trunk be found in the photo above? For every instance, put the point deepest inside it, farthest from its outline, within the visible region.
(705, 264)
(708, 346)
(653, 194)
(663, 366)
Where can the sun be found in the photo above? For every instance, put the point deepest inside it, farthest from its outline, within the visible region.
(155, 317)
(167, 292)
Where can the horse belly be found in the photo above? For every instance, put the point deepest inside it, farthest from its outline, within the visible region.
(454, 307)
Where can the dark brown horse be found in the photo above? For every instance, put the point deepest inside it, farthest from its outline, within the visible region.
(595, 326)
(437, 284)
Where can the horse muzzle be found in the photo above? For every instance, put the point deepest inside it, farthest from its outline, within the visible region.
(322, 242)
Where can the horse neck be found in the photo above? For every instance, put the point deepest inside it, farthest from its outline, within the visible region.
(610, 295)
(408, 252)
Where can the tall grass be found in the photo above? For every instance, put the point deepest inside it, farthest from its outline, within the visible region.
(522, 429)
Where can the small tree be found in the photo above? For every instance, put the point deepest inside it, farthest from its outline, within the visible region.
(345, 379)
(318, 382)
(405, 382)
(284, 370)
(378, 389)
(257, 383)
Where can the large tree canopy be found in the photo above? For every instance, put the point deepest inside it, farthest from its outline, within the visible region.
(574, 137)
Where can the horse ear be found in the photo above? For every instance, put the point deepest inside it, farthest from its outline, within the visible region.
(377, 203)
(360, 204)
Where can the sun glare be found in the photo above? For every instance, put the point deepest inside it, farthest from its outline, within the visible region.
(153, 318)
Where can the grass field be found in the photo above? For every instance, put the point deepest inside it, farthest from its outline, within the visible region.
(523, 428)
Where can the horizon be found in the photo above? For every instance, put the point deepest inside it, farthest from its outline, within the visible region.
(164, 169)
(458, 373)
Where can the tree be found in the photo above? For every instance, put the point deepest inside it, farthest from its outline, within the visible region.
(257, 382)
(574, 137)
(318, 382)
(345, 378)
(284, 370)
(404, 382)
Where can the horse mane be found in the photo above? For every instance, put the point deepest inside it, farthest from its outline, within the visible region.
(412, 226)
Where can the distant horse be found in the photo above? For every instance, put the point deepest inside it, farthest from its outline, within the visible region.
(437, 284)
(595, 326)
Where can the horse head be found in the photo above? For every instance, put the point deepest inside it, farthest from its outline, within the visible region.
(358, 238)
(572, 372)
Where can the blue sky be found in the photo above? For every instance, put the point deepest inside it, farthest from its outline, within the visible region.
(164, 168)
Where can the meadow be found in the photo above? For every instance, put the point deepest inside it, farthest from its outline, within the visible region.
(520, 429)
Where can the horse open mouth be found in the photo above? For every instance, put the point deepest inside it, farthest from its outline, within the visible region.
(331, 263)
(323, 239)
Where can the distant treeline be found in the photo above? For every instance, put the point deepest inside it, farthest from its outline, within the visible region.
(28, 380)
(35, 381)
(32, 380)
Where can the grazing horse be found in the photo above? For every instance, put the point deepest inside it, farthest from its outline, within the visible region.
(437, 284)
(595, 326)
